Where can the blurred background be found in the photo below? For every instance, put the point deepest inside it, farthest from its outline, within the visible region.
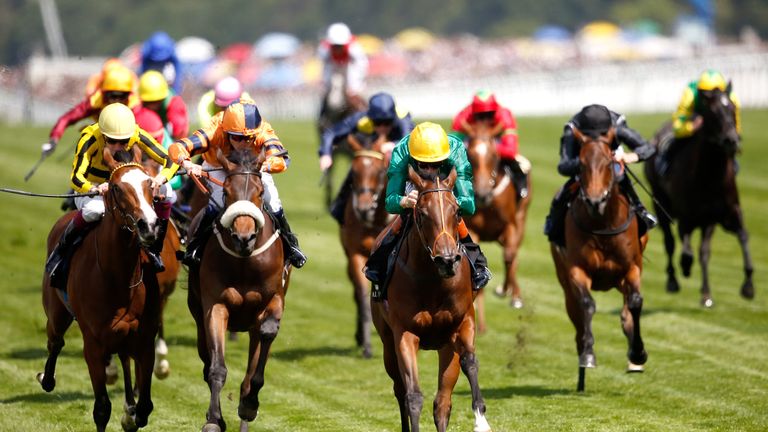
(547, 57)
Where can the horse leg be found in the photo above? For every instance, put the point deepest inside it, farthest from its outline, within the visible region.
(747, 288)
(95, 358)
(128, 420)
(355, 266)
(686, 257)
(630, 320)
(704, 253)
(215, 331)
(258, 353)
(59, 320)
(669, 245)
(406, 348)
(161, 367)
(390, 363)
(469, 365)
(510, 246)
(480, 311)
(446, 381)
(583, 306)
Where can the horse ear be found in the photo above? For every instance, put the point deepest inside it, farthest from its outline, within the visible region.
(225, 163)
(354, 144)
(451, 179)
(415, 178)
(137, 153)
(109, 161)
(729, 87)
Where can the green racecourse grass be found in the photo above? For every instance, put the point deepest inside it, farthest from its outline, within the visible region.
(707, 369)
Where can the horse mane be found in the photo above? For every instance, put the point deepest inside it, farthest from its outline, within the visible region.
(246, 158)
(123, 156)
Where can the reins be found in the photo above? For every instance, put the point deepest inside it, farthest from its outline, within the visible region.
(443, 232)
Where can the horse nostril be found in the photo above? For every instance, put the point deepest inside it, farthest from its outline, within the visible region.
(142, 225)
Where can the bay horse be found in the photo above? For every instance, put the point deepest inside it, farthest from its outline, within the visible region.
(166, 280)
(364, 218)
(336, 105)
(430, 306)
(699, 191)
(602, 250)
(500, 216)
(114, 298)
(240, 285)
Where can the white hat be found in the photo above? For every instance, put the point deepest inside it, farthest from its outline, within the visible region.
(339, 34)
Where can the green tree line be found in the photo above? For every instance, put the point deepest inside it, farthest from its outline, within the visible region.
(99, 27)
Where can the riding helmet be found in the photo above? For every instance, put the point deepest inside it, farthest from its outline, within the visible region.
(153, 86)
(116, 121)
(429, 143)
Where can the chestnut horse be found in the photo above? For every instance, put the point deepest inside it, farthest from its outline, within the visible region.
(700, 191)
(240, 285)
(430, 306)
(603, 250)
(166, 280)
(114, 299)
(364, 218)
(500, 216)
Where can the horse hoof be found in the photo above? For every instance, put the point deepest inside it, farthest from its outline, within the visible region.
(45, 383)
(707, 302)
(587, 361)
(517, 303)
(672, 286)
(243, 426)
(211, 427)
(748, 290)
(481, 423)
(500, 291)
(128, 422)
(367, 353)
(635, 368)
(686, 261)
(163, 369)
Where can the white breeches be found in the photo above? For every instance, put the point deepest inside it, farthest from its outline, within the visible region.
(271, 197)
(93, 207)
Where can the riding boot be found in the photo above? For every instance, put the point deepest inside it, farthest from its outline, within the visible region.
(376, 266)
(295, 256)
(554, 226)
(71, 237)
(519, 179)
(153, 252)
(68, 203)
(650, 220)
(200, 237)
(481, 275)
(340, 203)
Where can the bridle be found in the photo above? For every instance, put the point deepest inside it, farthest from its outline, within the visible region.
(129, 223)
(443, 232)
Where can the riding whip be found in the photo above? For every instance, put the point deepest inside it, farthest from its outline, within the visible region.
(69, 195)
(642, 186)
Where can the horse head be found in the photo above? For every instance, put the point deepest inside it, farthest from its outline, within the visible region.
(597, 177)
(129, 197)
(436, 219)
(485, 162)
(369, 177)
(243, 198)
(719, 119)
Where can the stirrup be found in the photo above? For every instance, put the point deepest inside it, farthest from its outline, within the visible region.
(155, 260)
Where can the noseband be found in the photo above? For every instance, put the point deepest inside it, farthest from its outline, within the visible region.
(443, 232)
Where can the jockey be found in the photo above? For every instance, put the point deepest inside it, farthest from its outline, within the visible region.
(95, 80)
(214, 101)
(238, 127)
(485, 109)
(341, 53)
(156, 96)
(427, 147)
(118, 86)
(594, 120)
(159, 53)
(116, 130)
(686, 120)
(383, 122)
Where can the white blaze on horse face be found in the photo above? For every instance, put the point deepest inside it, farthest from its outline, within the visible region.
(725, 100)
(481, 149)
(136, 179)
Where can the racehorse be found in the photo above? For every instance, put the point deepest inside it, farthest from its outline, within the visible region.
(499, 216)
(364, 218)
(602, 250)
(337, 104)
(115, 301)
(240, 285)
(700, 191)
(166, 280)
(430, 306)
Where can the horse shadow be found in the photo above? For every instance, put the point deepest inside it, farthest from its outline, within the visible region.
(294, 354)
(511, 391)
(38, 353)
(57, 398)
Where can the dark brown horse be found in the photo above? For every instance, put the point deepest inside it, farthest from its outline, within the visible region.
(500, 217)
(364, 218)
(166, 280)
(240, 285)
(700, 191)
(602, 251)
(430, 306)
(115, 301)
